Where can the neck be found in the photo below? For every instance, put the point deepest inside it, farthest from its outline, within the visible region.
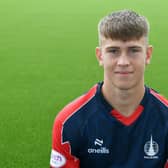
(125, 101)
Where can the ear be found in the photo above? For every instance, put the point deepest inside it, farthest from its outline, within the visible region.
(149, 54)
(99, 56)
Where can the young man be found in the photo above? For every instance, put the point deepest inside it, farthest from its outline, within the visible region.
(120, 122)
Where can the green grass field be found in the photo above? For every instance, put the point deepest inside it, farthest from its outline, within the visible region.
(47, 58)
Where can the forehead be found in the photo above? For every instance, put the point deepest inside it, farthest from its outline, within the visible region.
(106, 43)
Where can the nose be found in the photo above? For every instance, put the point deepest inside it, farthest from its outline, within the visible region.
(123, 60)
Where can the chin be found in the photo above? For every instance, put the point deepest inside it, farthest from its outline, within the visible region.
(125, 86)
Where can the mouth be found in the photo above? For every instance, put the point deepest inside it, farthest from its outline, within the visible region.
(123, 73)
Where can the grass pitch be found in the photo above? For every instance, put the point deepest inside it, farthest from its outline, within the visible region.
(47, 58)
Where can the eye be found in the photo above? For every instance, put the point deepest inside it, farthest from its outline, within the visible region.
(114, 51)
(135, 50)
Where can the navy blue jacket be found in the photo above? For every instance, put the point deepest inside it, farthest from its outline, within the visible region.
(89, 133)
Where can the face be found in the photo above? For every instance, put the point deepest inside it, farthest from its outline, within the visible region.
(124, 62)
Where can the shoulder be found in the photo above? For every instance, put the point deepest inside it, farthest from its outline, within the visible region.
(162, 100)
(159, 104)
(73, 107)
(68, 124)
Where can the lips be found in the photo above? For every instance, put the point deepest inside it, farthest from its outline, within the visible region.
(123, 72)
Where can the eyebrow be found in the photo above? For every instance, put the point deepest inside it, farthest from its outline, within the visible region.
(116, 47)
(135, 47)
(112, 47)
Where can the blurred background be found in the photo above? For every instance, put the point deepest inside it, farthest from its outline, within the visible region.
(47, 58)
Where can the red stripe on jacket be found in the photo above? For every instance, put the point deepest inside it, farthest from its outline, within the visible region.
(63, 116)
(166, 165)
(160, 97)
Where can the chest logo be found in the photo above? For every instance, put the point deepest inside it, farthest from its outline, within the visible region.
(98, 142)
(151, 149)
(98, 147)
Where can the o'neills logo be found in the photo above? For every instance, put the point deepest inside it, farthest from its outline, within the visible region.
(101, 150)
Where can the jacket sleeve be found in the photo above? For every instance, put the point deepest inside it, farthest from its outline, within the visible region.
(166, 164)
(61, 156)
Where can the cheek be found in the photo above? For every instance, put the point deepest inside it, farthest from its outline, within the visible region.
(141, 62)
(109, 61)
(108, 65)
(141, 68)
